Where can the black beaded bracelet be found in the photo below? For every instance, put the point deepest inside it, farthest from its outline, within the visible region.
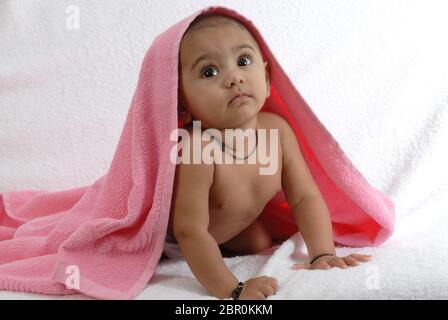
(237, 291)
(320, 256)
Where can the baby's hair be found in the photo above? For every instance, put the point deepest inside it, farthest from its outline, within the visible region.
(212, 20)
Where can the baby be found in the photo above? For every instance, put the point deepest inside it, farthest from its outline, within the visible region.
(224, 83)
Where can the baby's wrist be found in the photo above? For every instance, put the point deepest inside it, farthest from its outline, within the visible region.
(237, 291)
(325, 254)
(227, 289)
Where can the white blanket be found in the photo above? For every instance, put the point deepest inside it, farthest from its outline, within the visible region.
(375, 72)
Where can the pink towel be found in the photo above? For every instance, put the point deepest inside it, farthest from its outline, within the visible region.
(112, 232)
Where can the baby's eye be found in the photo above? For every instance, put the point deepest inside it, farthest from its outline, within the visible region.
(205, 72)
(247, 57)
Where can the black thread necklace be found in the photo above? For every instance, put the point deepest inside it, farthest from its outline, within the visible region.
(224, 147)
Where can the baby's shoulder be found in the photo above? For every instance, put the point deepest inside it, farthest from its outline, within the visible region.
(271, 120)
(191, 146)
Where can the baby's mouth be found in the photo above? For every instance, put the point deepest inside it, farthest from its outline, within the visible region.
(239, 97)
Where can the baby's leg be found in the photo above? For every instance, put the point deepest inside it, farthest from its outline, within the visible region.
(253, 239)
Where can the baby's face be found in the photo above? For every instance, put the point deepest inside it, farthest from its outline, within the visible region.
(233, 64)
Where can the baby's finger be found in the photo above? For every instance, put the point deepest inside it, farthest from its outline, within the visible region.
(361, 257)
(350, 261)
(259, 296)
(300, 266)
(267, 290)
(337, 262)
(321, 266)
(273, 283)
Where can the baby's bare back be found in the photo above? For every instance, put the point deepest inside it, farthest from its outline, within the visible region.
(239, 192)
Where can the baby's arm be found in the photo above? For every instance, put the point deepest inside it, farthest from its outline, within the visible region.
(308, 205)
(303, 195)
(190, 228)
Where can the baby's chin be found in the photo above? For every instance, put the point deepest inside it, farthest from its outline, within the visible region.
(230, 118)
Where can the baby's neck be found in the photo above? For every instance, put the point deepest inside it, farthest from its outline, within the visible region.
(251, 124)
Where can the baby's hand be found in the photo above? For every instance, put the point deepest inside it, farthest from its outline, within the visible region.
(259, 288)
(328, 262)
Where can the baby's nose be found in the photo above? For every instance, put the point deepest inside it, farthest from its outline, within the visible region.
(234, 78)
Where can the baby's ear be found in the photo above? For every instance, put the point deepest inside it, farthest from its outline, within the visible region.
(268, 76)
(184, 116)
(182, 113)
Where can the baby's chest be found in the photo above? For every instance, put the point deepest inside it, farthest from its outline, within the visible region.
(241, 187)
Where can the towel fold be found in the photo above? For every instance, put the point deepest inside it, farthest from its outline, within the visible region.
(106, 239)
